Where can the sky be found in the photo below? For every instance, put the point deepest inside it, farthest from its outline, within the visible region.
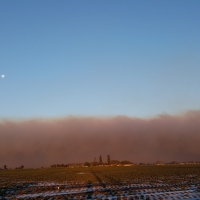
(89, 78)
(99, 58)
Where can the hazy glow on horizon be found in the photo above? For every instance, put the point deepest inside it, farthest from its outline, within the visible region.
(99, 58)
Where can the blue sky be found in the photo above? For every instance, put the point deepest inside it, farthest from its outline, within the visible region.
(99, 58)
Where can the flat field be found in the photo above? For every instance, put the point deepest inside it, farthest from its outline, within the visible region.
(112, 182)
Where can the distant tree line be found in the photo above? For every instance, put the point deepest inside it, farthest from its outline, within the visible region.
(94, 163)
(21, 167)
(109, 162)
(6, 168)
(59, 165)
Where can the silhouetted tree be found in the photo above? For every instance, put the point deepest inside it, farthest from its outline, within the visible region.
(5, 167)
(114, 162)
(87, 164)
(108, 159)
(124, 162)
(22, 167)
(141, 163)
(100, 160)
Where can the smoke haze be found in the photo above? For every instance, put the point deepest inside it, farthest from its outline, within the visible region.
(42, 142)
